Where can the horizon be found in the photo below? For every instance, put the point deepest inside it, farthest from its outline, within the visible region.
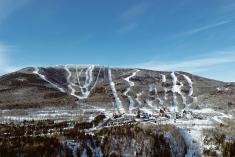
(191, 36)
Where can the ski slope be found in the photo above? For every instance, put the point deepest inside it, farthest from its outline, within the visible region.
(131, 84)
(36, 72)
(118, 103)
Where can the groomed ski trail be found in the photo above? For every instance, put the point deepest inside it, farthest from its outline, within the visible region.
(118, 103)
(36, 71)
(131, 84)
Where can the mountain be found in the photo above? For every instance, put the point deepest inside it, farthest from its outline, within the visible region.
(117, 88)
(76, 94)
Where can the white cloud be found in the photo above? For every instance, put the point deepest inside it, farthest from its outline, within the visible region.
(201, 29)
(195, 65)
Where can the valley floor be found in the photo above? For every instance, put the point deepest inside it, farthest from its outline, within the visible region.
(205, 132)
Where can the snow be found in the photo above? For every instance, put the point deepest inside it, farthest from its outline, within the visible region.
(164, 88)
(192, 129)
(204, 110)
(89, 77)
(72, 145)
(175, 89)
(182, 95)
(146, 110)
(216, 116)
(161, 102)
(36, 71)
(176, 149)
(194, 99)
(131, 84)
(217, 119)
(163, 78)
(97, 151)
(118, 103)
(88, 80)
(193, 148)
(78, 75)
(53, 113)
(190, 88)
(70, 85)
(85, 92)
(84, 153)
(97, 78)
(138, 95)
(149, 103)
(190, 85)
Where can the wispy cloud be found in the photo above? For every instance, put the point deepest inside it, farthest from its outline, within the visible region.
(128, 27)
(228, 7)
(5, 66)
(201, 29)
(3, 57)
(8, 7)
(134, 11)
(129, 19)
(195, 65)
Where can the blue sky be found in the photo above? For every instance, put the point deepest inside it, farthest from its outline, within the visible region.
(196, 36)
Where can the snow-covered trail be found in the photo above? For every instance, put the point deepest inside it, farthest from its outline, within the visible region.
(89, 77)
(174, 91)
(131, 84)
(78, 75)
(161, 102)
(85, 92)
(84, 89)
(181, 94)
(164, 88)
(97, 78)
(151, 103)
(190, 85)
(177, 89)
(190, 94)
(70, 83)
(118, 102)
(36, 71)
(138, 95)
